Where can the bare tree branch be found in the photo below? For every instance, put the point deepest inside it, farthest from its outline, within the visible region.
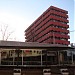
(1, 29)
(5, 32)
(9, 35)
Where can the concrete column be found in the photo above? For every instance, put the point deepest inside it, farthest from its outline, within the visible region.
(41, 57)
(22, 57)
(58, 58)
(0, 56)
(61, 57)
(14, 57)
(72, 58)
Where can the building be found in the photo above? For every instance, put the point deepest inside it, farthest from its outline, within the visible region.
(51, 27)
(53, 59)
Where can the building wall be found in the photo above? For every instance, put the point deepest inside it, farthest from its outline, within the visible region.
(51, 27)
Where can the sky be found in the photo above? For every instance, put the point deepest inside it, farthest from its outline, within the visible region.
(19, 14)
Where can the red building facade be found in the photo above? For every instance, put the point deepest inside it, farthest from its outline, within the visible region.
(51, 27)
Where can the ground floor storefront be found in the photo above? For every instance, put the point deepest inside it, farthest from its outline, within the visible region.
(20, 58)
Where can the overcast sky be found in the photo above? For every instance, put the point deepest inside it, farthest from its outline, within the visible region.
(19, 14)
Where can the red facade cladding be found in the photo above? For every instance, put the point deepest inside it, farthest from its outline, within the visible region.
(51, 27)
(58, 9)
(48, 24)
(57, 35)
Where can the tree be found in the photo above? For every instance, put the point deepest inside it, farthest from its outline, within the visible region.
(5, 32)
